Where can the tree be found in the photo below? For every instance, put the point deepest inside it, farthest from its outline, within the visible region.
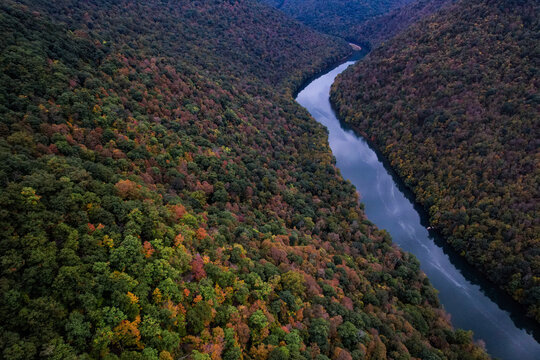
(318, 332)
(348, 334)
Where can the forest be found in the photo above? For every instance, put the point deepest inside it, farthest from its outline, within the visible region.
(453, 103)
(163, 197)
(375, 30)
(336, 17)
(364, 22)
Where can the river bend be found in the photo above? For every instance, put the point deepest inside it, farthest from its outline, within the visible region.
(474, 303)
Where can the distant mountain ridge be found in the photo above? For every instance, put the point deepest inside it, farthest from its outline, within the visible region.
(383, 27)
(336, 17)
(365, 22)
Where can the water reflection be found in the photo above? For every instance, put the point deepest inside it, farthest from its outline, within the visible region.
(473, 302)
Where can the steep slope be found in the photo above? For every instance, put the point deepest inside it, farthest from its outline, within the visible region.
(453, 103)
(253, 42)
(385, 26)
(336, 17)
(163, 198)
(365, 22)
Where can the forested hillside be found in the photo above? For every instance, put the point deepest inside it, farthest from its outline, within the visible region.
(375, 30)
(162, 198)
(365, 22)
(336, 17)
(453, 103)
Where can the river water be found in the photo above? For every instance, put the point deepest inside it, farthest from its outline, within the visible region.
(474, 303)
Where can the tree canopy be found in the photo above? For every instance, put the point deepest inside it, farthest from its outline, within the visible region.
(453, 103)
(163, 197)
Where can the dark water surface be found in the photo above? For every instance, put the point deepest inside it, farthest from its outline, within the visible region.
(474, 303)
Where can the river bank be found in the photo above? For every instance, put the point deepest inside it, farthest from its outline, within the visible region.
(473, 302)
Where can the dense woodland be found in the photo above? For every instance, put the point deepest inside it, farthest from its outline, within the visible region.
(365, 22)
(453, 103)
(162, 199)
(373, 31)
(336, 17)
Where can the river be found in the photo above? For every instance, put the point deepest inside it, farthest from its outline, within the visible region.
(473, 302)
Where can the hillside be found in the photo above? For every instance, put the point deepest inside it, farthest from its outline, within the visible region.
(162, 196)
(365, 22)
(453, 103)
(336, 17)
(380, 28)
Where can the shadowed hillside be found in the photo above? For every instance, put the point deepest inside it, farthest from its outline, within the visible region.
(365, 22)
(453, 103)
